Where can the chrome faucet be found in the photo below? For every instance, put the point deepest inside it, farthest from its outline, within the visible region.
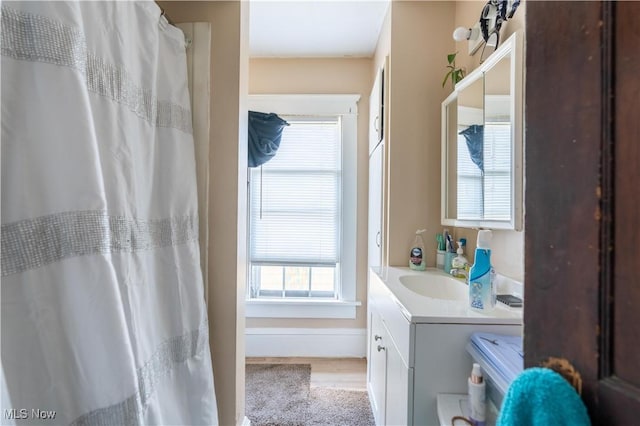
(460, 273)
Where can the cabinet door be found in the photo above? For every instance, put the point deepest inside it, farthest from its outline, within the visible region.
(375, 112)
(377, 367)
(376, 164)
(397, 396)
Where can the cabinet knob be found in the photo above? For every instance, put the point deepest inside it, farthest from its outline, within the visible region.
(381, 348)
(376, 337)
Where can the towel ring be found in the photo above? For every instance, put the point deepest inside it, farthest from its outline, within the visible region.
(566, 370)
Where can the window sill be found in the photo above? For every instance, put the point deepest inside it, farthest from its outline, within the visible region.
(272, 308)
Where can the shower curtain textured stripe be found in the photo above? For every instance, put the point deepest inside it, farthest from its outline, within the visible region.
(103, 313)
(36, 242)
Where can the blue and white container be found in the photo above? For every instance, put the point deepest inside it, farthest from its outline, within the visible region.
(482, 295)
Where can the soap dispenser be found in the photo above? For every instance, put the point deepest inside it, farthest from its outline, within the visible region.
(416, 256)
(459, 264)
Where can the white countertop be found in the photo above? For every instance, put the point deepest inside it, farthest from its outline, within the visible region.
(421, 309)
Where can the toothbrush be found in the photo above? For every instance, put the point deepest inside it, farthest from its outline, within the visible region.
(450, 244)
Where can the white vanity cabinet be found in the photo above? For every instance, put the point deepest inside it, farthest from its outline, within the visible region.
(399, 379)
(377, 365)
(388, 375)
(414, 356)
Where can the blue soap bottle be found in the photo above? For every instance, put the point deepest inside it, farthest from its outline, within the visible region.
(482, 296)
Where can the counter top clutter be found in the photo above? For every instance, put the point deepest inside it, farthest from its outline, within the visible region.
(431, 296)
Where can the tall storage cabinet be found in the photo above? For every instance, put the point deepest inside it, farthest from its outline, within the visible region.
(376, 170)
(376, 167)
(377, 337)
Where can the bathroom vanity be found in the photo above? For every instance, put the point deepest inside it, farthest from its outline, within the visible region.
(418, 327)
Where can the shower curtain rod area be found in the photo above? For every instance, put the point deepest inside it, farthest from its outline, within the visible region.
(163, 13)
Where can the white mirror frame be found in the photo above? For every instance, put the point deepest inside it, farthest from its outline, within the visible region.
(513, 46)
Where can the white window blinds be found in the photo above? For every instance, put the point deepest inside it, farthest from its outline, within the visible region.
(295, 197)
(469, 184)
(486, 196)
(497, 171)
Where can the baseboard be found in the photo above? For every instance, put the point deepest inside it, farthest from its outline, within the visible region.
(306, 342)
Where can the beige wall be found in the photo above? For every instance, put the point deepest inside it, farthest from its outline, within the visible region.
(418, 48)
(227, 257)
(507, 248)
(417, 37)
(383, 47)
(467, 14)
(325, 76)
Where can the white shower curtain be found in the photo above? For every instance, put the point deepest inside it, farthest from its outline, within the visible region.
(103, 313)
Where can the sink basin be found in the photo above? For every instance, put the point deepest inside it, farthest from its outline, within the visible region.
(435, 286)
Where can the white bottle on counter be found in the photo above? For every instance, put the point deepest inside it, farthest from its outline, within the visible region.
(477, 402)
(416, 255)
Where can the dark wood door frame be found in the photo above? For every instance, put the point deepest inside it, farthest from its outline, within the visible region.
(582, 118)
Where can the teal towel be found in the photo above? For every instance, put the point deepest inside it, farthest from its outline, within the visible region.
(542, 397)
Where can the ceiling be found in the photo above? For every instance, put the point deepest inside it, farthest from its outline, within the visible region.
(315, 28)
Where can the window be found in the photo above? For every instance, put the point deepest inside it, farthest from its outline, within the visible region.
(486, 196)
(294, 224)
(497, 174)
(302, 211)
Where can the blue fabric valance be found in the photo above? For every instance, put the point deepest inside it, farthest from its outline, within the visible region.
(474, 135)
(265, 133)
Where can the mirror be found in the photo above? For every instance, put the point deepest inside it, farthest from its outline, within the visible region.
(482, 144)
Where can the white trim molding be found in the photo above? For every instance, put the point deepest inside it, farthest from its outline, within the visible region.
(306, 342)
(199, 70)
(288, 308)
(305, 104)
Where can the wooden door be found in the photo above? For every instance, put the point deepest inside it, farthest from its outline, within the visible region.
(582, 267)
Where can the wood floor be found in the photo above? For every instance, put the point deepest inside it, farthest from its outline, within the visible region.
(339, 373)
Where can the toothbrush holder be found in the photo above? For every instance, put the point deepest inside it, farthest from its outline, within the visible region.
(448, 258)
(440, 259)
